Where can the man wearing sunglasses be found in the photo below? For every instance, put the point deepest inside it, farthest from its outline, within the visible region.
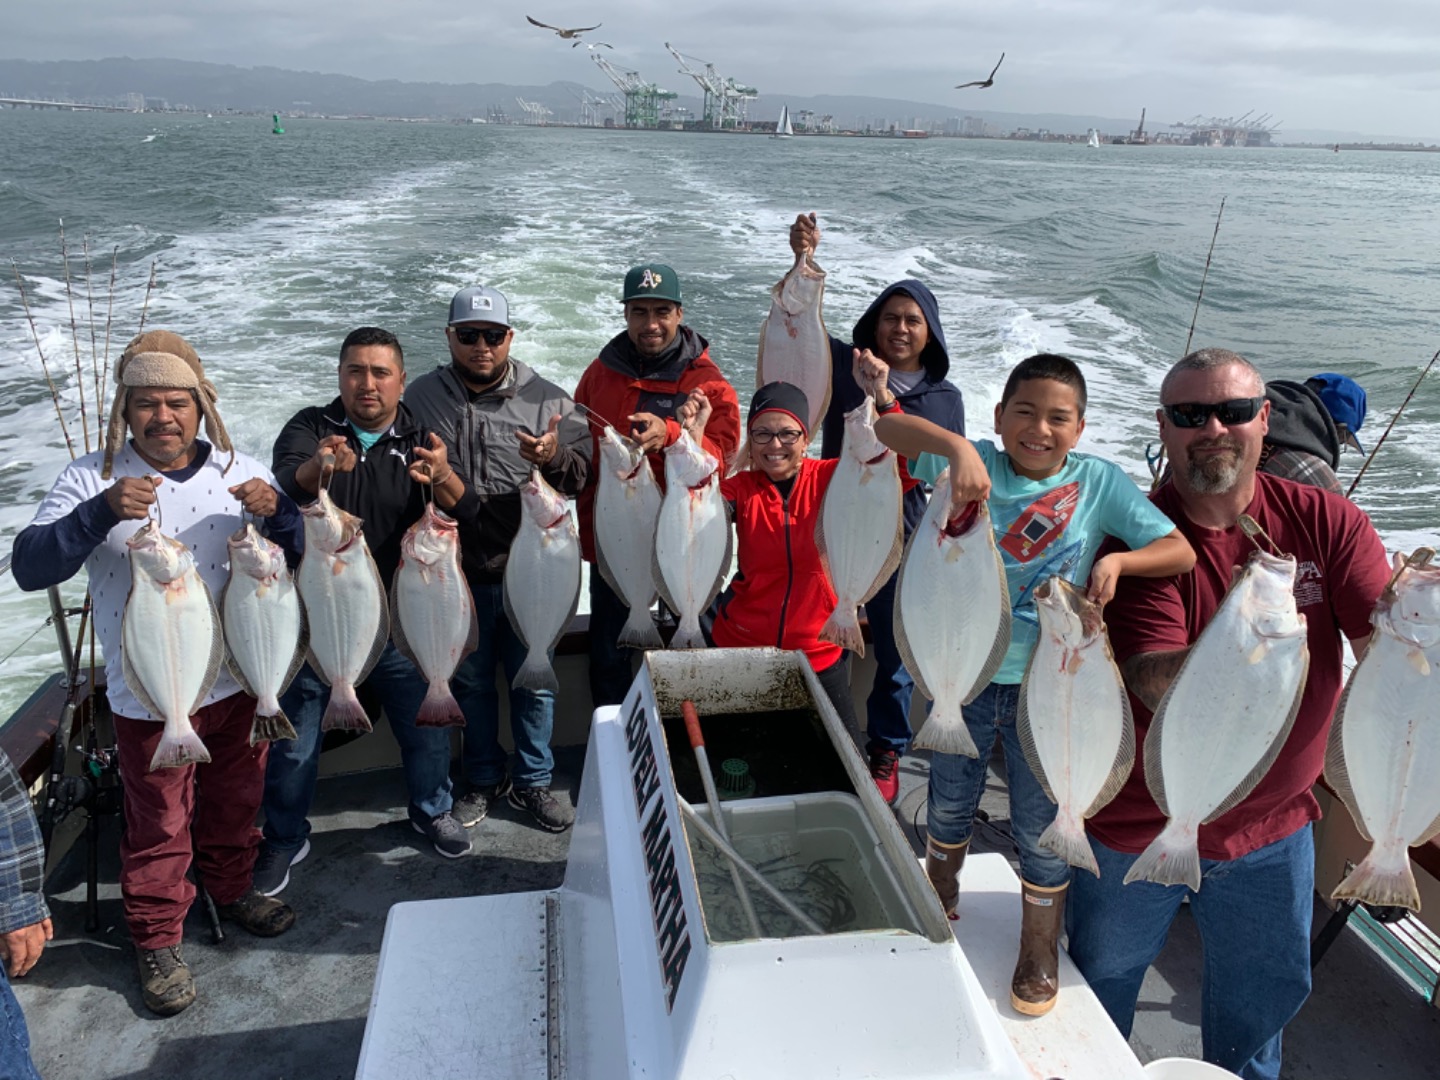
(1257, 860)
(499, 419)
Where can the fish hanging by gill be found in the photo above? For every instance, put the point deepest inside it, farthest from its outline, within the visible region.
(1222, 723)
(794, 346)
(1074, 718)
(1383, 757)
(264, 629)
(171, 646)
(542, 580)
(692, 538)
(627, 507)
(432, 613)
(860, 533)
(952, 615)
(345, 609)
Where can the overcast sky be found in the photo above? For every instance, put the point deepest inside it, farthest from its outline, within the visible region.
(1363, 65)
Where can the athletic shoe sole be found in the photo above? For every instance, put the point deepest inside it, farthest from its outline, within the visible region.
(299, 857)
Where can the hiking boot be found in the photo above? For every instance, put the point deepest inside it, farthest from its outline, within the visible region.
(543, 807)
(471, 808)
(942, 867)
(1036, 981)
(262, 915)
(272, 868)
(885, 771)
(165, 982)
(445, 833)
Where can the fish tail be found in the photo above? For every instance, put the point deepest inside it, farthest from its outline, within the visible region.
(639, 631)
(688, 635)
(843, 629)
(344, 712)
(1070, 844)
(536, 674)
(178, 750)
(270, 728)
(1381, 879)
(439, 709)
(1172, 858)
(944, 731)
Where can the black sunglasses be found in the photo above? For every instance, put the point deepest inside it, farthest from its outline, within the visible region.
(469, 335)
(1194, 414)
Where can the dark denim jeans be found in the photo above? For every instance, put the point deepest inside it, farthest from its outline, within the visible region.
(1253, 914)
(294, 763)
(957, 782)
(611, 666)
(532, 712)
(15, 1061)
(887, 709)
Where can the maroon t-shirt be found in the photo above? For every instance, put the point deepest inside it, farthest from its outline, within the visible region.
(1342, 570)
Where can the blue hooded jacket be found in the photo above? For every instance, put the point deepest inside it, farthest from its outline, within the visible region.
(933, 397)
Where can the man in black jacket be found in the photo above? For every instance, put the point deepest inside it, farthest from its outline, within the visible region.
(382, 460)
(499, 420)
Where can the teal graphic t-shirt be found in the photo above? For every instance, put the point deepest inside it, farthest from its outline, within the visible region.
(1053, 526)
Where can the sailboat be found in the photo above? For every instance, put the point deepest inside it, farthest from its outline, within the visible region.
(783, 130)
(1094, 142)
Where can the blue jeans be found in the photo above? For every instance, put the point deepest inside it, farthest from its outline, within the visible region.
(957, 782)
(887, 709)
(15, 1062)
(294, 763)
(1253, 914)
(610, 665)
(532, 712)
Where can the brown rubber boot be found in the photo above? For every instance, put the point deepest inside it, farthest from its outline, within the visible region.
(942, 867)
(165, 981)
(262, 915)
(1037, 972)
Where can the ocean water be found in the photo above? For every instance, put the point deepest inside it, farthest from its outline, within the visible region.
(270, 248)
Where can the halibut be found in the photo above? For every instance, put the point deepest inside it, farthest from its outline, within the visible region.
(860, 534)
(794, 345)
(171, 647)
(692, 538)
(627, 507)
(434, 622)
(1074, 718)
(542, 580)
(1383, 757)
(952, 615)
(1226, 716)
(264, 629)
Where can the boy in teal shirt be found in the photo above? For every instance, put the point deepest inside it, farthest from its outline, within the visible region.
(1051, 509)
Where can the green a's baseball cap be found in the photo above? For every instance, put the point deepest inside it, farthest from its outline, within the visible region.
(651, 281)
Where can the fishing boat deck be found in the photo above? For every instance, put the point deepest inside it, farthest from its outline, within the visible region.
(296, 1006)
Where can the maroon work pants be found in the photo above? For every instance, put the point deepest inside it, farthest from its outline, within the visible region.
(214, 803)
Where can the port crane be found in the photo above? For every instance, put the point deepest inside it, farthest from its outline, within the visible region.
(643, 101)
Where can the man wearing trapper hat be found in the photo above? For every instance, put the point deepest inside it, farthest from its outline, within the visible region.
(498, 420)
(162, 394)
(641, 377)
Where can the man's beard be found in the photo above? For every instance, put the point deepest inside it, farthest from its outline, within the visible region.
(1215, 474)
(163, 457)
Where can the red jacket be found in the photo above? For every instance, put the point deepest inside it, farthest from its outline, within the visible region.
(613, 388)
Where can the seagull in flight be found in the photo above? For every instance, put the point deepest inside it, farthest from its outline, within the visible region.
(983, 84)
(592, 48)
(568, 35)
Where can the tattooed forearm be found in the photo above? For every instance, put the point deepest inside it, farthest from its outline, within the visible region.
(1149, 675)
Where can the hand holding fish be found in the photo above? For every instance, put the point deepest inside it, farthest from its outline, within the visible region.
(257, 497)
(333, 453)
(694, 413)
(969, 480)
(872, 375)
(540, 451)
(131, 497)
(648, 430)
(804, 235)
(430, 466)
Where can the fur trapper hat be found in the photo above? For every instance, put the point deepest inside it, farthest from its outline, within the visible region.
(162, 358)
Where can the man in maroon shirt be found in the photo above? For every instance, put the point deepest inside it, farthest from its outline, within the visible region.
(1254, 908)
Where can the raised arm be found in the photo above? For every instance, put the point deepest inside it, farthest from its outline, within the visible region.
(1163, 557)
(911, 436)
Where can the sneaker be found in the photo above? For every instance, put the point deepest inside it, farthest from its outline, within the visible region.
(272, 868)
(165, 981)
(445, 833)
(885, 771)
(262, 915)
(471, 808)
(543, 807)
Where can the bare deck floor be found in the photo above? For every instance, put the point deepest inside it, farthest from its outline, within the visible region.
(294, 1008)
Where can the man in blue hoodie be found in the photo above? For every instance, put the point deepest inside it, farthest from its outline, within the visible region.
(901, 327)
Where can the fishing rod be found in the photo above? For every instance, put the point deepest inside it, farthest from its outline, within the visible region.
(94, 345)
(75, 337)
(1381, 442)
(44, 365)
(149, 288)
(109, 315)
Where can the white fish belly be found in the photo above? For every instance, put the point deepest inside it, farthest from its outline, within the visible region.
(625, 519)
(344, 603)
(1077, 719)
(794, 346)
(861, 521)
(168, 636)
(1390, 736)
(691, 541)
(434, 616)
(262, 631)
(542, 582)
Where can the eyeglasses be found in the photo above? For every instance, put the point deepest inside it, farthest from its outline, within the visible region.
(1195, 414)
(761, 437)
(469, 335)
